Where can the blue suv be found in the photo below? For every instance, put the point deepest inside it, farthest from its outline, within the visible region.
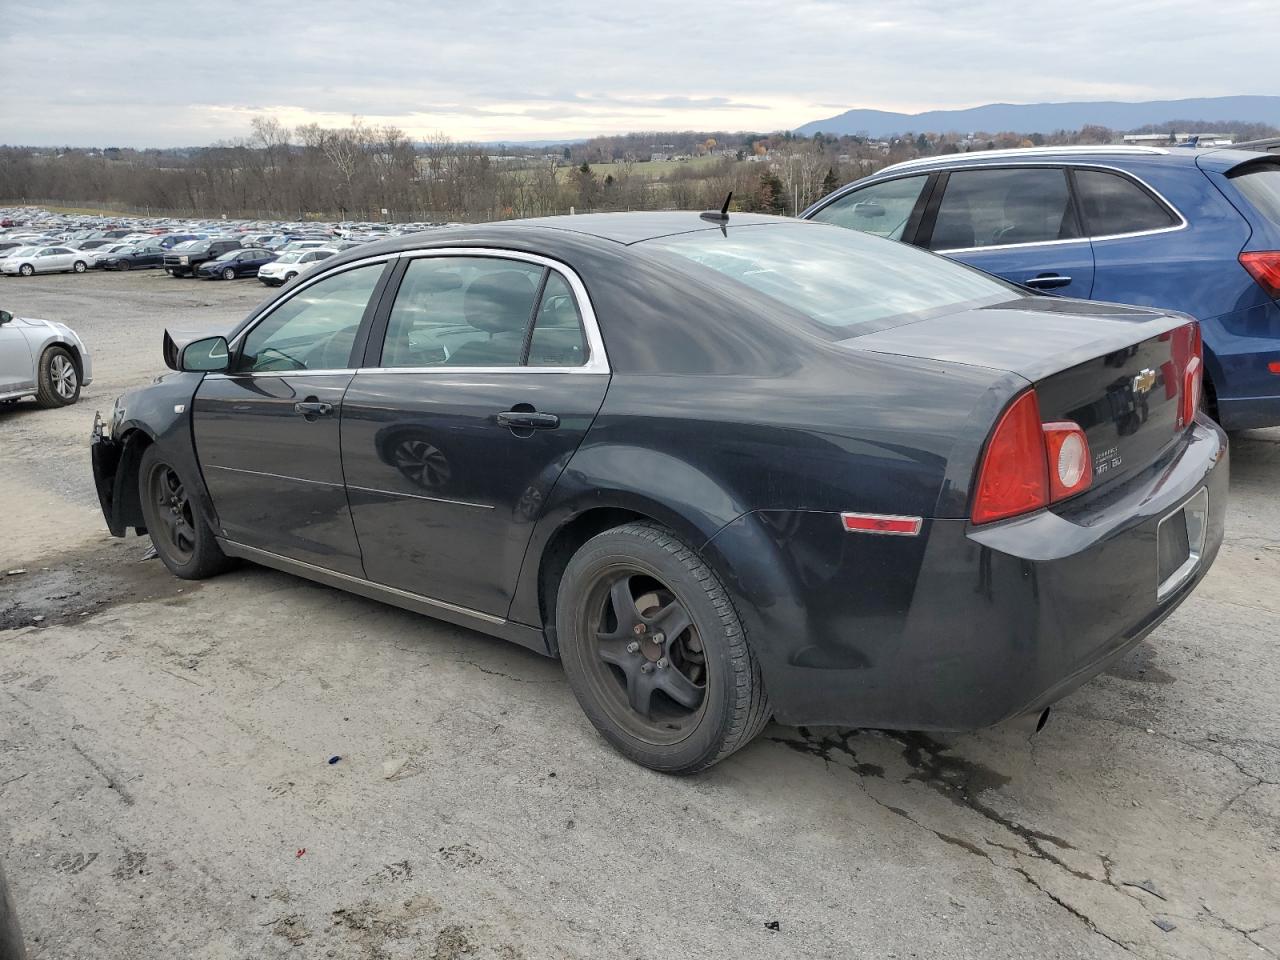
(1183, 229)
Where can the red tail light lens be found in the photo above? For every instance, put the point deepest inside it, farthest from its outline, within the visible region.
(1067, 450)
(1014, 477)
(1192, 379)
(1029, 464)
(1264, 267)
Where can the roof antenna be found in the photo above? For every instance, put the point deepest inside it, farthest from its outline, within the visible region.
(722, 216)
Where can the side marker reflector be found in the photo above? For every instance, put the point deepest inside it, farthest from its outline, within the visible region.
(890, 524)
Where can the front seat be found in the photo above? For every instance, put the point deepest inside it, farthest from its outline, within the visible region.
(500, 305)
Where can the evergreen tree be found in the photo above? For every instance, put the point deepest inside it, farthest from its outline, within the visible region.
(830, 183)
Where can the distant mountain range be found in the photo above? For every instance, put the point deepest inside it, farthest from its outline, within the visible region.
(1047, 117)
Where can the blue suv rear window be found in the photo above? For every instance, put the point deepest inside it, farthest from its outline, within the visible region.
(1261, 187)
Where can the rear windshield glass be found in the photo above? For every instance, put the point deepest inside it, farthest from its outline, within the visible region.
(848, 282)
(1261, 187)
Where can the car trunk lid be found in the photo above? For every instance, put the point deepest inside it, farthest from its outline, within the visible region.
(1117, 372)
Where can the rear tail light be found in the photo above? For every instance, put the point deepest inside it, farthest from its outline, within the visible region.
(1192, 379)
(1029, 464)
(1067, 451)
(1264, 267)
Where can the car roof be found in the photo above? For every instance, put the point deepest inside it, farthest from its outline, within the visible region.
(624, 228)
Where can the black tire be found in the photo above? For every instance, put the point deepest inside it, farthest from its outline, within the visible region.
(124, 266)
(79, 266)
(229, 273)
(57, 378)
(26, 270)
(177, 527)
(614, 660)
(289, 276)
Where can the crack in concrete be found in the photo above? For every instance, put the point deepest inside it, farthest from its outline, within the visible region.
(113, 782)
(498, 673)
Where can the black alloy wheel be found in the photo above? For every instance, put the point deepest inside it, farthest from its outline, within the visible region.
(171, 505)
(655, 652)
(178, 530)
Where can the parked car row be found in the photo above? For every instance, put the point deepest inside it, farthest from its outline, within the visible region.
(35, 241)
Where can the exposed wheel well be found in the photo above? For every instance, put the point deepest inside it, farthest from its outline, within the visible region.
(128, 507)
(71, 349)
(561, 548)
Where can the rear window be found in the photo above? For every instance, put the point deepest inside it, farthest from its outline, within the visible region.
(1113, 204)
(1261, 187)
(848, 282)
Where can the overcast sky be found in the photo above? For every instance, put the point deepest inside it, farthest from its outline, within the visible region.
(138, 73)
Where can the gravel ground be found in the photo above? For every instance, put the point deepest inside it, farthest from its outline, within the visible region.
(166, 790)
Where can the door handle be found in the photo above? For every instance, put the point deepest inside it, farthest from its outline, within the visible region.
(528, 420)
(311, 408)
(1048, 281)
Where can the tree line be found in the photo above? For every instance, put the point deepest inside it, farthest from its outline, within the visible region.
(358, 171)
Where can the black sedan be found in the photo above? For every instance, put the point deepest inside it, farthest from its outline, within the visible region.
(724, 469)
(235, 264)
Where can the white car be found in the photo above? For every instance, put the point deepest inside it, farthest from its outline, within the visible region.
(291, 264)
(29, 260)
(42, 359)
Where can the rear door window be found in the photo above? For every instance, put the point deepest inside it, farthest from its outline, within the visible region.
(882, 209)
(1004, 206)
(1113, 204)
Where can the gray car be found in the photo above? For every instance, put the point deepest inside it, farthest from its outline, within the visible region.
(41, 359)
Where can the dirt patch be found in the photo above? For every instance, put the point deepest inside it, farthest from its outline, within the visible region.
(70, 588)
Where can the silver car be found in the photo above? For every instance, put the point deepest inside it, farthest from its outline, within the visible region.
(41, 359)
(31, 260)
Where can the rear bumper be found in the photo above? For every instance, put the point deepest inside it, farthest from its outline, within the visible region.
(961, 627)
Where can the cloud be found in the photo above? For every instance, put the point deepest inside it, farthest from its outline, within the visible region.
(500, 70)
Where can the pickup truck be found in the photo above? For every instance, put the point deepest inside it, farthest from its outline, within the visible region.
(185, 258)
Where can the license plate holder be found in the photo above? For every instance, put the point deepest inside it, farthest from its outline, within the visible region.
(1180, 539)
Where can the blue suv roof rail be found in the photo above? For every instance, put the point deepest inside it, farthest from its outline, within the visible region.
(1101, 150)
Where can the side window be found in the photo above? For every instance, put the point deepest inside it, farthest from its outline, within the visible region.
(313, 330)
(461, 312)
(1114, 204)
(882, 208)
(558, 339)
(990, 208)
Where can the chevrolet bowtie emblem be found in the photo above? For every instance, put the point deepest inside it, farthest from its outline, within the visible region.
(1144, 381)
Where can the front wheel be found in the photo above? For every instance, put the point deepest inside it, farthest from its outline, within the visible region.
(655, 652)
(124, 266)
(289, 276)
(57, 380)
(26, 270)
(178, 531)
(229, 273)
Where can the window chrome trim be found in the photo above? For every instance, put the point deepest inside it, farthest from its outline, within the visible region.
(597, 359)
(1065, 165)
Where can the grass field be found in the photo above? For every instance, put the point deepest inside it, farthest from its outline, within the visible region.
(653, 169)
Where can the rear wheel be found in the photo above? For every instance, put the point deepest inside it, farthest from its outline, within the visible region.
(655, 653)
(79, 266)
(178, 531)
(57, 380)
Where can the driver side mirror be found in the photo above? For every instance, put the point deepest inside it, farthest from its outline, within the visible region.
(868, 208)
(5, 317)
(210, 355)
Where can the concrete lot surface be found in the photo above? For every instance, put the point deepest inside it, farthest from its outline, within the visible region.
(165, 790)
